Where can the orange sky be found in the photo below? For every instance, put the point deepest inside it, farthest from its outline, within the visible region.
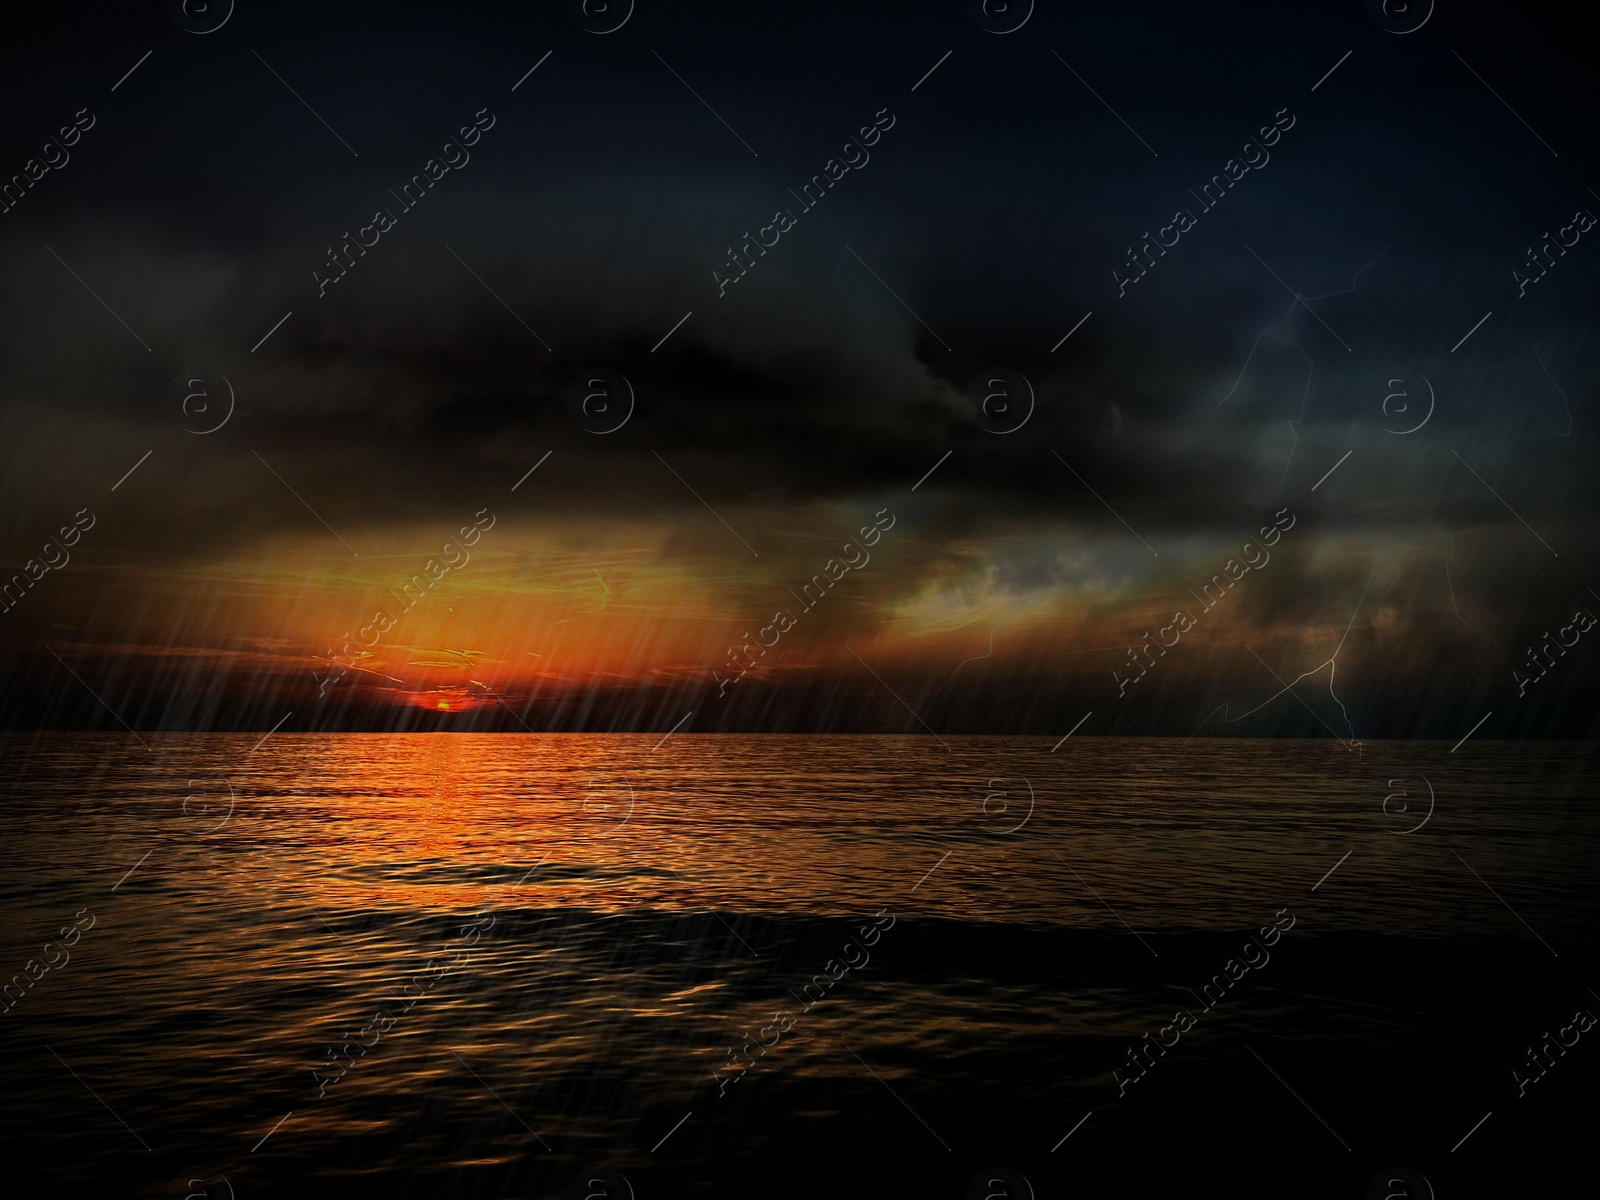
(541, 607)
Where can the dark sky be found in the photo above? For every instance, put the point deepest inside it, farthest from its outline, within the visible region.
(992, 209)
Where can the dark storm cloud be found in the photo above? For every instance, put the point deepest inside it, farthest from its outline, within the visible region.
(998, 207)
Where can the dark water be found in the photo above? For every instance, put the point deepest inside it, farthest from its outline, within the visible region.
(783, 966)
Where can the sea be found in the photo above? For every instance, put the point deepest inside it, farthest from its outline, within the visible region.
(644, 966)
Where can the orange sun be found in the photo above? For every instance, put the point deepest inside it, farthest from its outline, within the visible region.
(444, 706)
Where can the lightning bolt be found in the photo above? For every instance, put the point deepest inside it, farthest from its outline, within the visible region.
(1332, 662)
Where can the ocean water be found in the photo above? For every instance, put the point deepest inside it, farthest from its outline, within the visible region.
(764, 966)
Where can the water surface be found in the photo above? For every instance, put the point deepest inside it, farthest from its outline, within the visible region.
(568, 941)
